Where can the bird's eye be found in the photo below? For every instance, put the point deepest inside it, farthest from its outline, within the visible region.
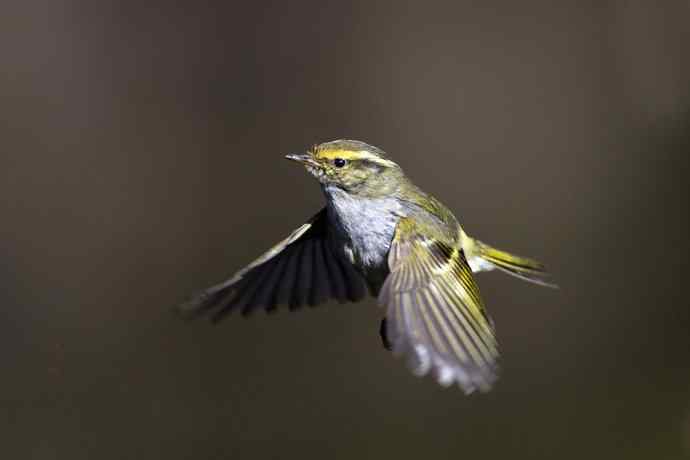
(339, 162)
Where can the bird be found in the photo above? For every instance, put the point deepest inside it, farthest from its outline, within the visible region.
(380, 235)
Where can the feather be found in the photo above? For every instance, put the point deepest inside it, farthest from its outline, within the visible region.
(336, 275)
(300, 270)
(521, 267)
(319, 284)
(435, 313)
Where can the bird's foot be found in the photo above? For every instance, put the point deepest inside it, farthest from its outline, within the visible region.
(384, 337)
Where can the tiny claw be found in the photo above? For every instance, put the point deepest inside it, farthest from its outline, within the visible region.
(384, 336)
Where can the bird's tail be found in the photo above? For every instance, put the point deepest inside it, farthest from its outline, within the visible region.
(520, 267)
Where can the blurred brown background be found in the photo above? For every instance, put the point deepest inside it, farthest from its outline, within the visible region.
(141, 159)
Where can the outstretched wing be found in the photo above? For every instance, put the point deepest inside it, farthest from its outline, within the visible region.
(435, 315)
(300, 270)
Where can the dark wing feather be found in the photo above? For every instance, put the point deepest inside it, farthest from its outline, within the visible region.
(435, 315)
(300, 270)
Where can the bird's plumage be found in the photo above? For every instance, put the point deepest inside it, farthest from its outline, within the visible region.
(300, 270)
(435, 313)
(378, 230)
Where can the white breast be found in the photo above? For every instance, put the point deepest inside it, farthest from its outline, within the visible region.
(365, 225)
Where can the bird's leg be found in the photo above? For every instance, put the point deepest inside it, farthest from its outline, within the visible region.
(384, 337)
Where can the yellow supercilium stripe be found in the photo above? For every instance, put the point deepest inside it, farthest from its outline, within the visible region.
(352, 155)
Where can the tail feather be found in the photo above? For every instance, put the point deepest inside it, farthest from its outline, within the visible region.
(520, 267)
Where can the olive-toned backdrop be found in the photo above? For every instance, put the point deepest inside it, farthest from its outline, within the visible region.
(141, 150)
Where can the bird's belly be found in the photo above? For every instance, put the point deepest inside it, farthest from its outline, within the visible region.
(367, 248)
(363, 233)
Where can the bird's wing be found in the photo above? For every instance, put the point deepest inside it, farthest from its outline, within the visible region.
(300, 270)
(435, 315)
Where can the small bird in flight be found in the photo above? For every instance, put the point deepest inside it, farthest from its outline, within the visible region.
(379, 234)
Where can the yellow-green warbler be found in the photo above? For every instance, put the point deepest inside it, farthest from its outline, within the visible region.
(379, 234)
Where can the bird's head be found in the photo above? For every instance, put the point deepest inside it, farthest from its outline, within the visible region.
(353, 166)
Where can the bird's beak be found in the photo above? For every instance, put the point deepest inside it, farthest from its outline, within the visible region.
(305, 159)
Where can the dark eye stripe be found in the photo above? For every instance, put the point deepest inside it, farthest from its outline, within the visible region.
(339, 162)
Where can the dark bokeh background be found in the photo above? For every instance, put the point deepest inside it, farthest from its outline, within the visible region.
(140, 160)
